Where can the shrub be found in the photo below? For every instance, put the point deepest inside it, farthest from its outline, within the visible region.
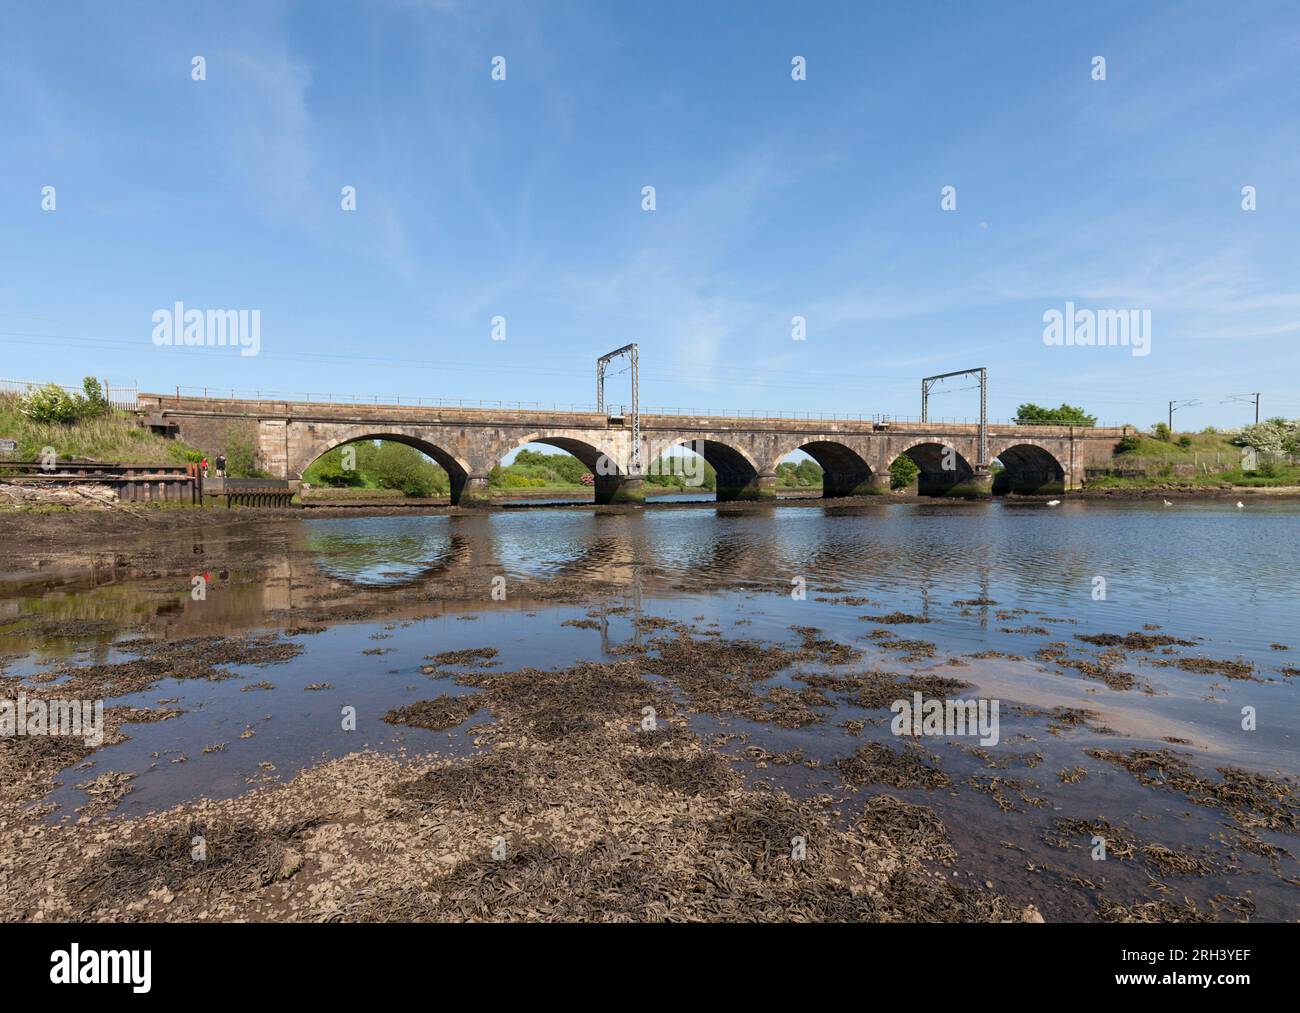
(512, 480)
(328, 469)
(671, 471)
(52, 405)
(49, 404)
(787, 474)
(241, 458)
(809, 473)
(1272, 436)
(397, 466)
(557, 468)
(902, 472)
(182, 453)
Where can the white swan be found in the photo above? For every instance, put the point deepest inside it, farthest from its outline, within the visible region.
(1167, 503)
(1053, 502)
(1240, 504)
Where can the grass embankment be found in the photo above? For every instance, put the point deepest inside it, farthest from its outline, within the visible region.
(112, 438)
(1282, 477)
(1215, 456)
(1197, 445)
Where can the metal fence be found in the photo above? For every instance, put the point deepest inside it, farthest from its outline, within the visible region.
(118, 397)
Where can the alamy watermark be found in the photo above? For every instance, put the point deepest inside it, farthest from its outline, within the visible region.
(661, 460)
(82, 719)
(192, 328)
(947, 718)
(1099, 328)
(75, 966)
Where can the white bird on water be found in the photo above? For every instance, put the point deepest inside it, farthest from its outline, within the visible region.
(1167, 503)
(1053, 502)
(1240, 505)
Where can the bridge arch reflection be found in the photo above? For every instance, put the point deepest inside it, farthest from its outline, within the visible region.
(388, 552)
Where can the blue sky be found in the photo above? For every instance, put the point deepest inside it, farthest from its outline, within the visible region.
(775, 198)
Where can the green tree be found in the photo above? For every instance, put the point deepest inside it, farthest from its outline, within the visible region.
(809, 472)
(241, 457)
(328, 470)
(552, 469)
(92, 404)
(669, 472)
(1030, 414)
(397, 466)
(902, 472)
(801, 475)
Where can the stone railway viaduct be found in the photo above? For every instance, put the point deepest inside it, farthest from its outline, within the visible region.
(855, 455)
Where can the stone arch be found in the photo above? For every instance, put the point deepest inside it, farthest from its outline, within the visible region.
(1028, 467)
(457, 469)
(584, 450)
(738, 476)
(845, 472)
(609, 467)
(944, 469)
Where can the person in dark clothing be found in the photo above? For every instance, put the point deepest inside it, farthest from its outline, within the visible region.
(221, 466)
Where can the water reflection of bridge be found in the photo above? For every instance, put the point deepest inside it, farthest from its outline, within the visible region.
(323, 571)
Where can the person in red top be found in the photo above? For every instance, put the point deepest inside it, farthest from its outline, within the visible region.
(204, 465)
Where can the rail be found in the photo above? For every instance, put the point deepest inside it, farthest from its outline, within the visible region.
(132, 483)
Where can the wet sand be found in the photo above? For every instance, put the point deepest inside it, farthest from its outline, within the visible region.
(566, 810)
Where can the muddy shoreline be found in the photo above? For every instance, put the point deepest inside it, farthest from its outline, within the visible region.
(569, 808)
(766, 787)
(608, 791)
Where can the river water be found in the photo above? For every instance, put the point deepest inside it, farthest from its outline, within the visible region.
(990, 585)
